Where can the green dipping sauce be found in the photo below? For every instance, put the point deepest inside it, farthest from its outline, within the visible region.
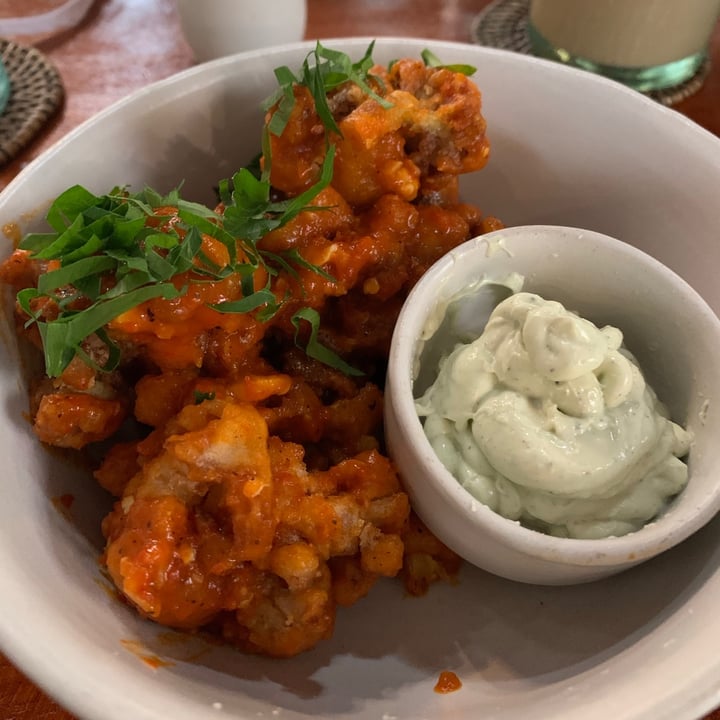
(547, 419)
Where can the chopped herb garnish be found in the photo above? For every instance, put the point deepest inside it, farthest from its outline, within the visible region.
(109, 258)
(314, 348)
(201, 397)
(108, 236)
(323, 70)
(432, 60)
(250, 213)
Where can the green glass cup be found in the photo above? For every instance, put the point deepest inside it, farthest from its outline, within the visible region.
(4, 88)
(645, 44)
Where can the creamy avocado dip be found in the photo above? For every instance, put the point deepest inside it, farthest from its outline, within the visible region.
(547, 419)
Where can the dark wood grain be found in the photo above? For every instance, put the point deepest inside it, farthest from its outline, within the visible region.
(123, 45)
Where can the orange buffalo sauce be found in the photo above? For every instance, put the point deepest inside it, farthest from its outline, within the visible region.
(252, 495)
(447, 682)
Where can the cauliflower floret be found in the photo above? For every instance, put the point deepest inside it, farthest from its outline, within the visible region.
(225, 524)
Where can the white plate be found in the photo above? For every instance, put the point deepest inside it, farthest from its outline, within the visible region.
(567, 148)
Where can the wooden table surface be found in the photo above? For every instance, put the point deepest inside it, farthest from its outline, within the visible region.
(123, 45)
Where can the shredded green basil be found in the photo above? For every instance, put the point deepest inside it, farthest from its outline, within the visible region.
(97, 237)
(432, 60)
(323, 70)
(107, 236)
(201, 397)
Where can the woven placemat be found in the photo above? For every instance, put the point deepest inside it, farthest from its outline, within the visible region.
(503, 24)
(36, 93)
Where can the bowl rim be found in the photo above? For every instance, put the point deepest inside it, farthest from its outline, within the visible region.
(656, 536)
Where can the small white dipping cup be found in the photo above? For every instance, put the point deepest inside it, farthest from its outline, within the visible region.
(666, 324)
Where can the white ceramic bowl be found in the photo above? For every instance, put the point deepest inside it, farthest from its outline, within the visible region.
(568, 148)
(667, 325)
